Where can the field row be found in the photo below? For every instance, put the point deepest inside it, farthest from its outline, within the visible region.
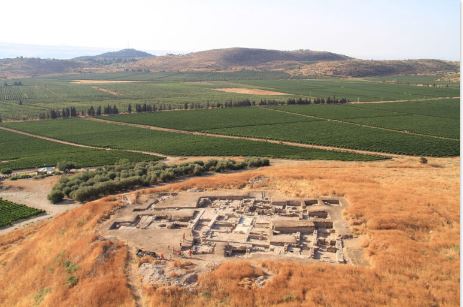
(439, 118)
(20, 151)
(11, 212)
(128, 138)
(296, 124)
(40, 94)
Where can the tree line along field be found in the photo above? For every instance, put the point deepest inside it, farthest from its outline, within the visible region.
(37, 95)
(107, 135)
(19, 152)
(11, 212)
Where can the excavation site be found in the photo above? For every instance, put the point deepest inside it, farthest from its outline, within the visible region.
(207, 228)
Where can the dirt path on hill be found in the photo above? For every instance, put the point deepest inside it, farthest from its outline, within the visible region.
(245, 138)
(363, 125)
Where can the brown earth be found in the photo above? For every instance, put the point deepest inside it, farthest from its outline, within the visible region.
(250, 91)
(106, 91)
(408, 212)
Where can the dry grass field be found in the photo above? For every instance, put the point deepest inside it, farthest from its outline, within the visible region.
(407, 213)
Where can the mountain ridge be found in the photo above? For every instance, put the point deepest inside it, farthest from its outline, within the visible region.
(297, 63)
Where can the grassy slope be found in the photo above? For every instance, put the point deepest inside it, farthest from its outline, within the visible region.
(411, 240)
(120, 137)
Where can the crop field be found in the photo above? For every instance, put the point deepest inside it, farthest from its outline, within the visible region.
(37, 95)
(11, 212)
(353, 89)
(350, 136)
(115, 136)
(20, 151)
(180, 76)
(202, 120)
(436, 119)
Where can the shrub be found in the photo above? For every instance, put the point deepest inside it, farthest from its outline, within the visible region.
(66, 166)
(423, 160)
(124, 176)
(72, 281)
(55, 196)
(6, 171)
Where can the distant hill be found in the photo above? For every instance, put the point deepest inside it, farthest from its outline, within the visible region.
(25, 67)
(297, 63)
(123, 55)
(234, 58)
(367, 68)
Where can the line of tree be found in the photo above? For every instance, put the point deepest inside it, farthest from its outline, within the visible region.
(63, 113)
(146, 107)
(126, 175)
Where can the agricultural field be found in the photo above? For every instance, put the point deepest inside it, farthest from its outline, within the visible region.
(202, 120)
(329, 125)
(37, 95)
(120, 137)
(20, 152)
(354, 90)
(11, 212)
(350, 136)
(434, 118)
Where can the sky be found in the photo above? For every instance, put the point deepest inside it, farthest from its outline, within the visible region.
(367, 29)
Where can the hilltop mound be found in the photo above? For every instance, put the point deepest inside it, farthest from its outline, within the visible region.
(411, 240)
(116, 56)
(234, 58)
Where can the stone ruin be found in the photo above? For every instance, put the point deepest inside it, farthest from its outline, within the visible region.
(219, 226)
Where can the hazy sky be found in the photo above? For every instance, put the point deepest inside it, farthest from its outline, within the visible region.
(379, 29)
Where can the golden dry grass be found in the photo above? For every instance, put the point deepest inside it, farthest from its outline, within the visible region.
(408, 212)
(33, 263)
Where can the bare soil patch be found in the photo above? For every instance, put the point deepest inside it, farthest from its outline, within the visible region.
(33, 193)
(105, 90)
(250, 91)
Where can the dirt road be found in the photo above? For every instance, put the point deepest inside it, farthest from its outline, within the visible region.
(224, 136)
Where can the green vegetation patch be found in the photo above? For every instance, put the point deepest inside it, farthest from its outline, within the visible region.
(116, 136)
(337, 134)
(353, 89)
(201, 120)
(435, 126)
(126, 175)
(11, 212)
(19, 151)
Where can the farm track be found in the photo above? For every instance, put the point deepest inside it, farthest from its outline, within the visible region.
(364, 125)
(233, 137)
(79, 145)
(404, 100)
(131, 277)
